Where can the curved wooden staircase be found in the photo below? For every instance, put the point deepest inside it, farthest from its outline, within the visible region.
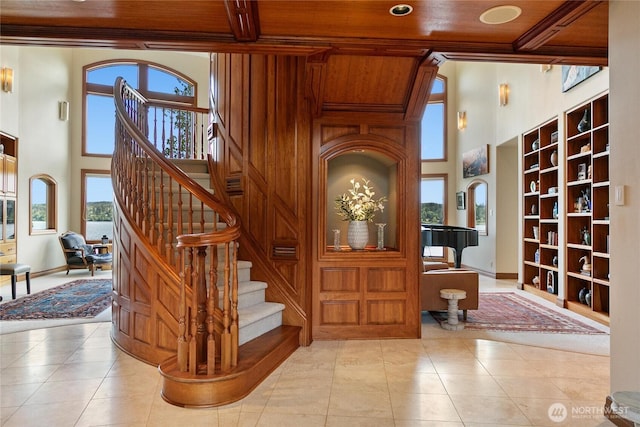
(181, 297)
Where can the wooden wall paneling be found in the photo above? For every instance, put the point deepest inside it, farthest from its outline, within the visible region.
(257, 149)
(331, 133)
(271, 157)
(238, 108)
(256, 208)
(381, 286)
(140, 327)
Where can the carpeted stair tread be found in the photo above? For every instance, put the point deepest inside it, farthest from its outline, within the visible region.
(256, 312)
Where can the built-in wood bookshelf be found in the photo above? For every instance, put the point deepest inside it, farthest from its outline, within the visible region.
(540, 210)
(569, 248)
(587, 209)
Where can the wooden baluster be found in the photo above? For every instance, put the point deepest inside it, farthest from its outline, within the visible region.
(183, 348)
(226, 304)
(146, 199)
(193, 342)
(234, 308)
(202, 304)
(153, 208)
(212, 305)
(169, 229)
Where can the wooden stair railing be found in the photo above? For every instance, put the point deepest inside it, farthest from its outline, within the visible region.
(160, 200)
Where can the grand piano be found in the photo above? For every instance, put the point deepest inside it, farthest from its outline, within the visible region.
(450, 236)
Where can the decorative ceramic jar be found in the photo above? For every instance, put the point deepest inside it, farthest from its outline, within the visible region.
(554, 158)
(535, 145)
(358, 234)
(104, 239)
(582, 295)
(585, 123)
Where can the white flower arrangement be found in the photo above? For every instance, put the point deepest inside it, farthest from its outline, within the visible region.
(359, 204)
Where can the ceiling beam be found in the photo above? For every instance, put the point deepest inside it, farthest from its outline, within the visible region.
(553, 24)
(243, 19)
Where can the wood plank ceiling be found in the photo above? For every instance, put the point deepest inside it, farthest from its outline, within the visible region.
(337, 36)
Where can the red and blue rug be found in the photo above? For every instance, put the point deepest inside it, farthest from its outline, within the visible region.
(84, 298)
(509, 312)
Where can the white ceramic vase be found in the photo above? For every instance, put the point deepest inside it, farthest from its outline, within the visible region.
(358, 234)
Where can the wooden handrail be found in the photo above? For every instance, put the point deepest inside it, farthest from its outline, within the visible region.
(173, 213)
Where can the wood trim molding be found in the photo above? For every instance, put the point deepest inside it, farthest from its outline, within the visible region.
(316, 72)
(243, 19)
(553, 24)
(420, 91)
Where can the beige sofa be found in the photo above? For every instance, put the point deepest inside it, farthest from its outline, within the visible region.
(436, 277)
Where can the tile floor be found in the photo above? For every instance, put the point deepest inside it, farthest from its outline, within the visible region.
(73, 375)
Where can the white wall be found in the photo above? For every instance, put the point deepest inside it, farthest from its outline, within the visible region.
(624, 110)
(43, 77)
(506, 212)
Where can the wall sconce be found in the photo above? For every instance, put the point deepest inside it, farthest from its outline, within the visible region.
(7, 79)
(462, 120)
(63, 110)
(503, 92)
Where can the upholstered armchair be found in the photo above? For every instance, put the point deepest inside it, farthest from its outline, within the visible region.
(79, 254)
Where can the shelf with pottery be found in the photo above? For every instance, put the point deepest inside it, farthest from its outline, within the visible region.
(540, 206)
(587, 209)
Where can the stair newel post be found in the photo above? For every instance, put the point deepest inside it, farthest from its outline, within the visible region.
(212, 303)
(226, 320)
(234, 307)
(193, 343)
(183, 349)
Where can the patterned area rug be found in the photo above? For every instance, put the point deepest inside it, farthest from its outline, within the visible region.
(509, 312)
(84, 298)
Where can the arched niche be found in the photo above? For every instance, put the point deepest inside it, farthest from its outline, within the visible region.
(383, 168)
(477, 205)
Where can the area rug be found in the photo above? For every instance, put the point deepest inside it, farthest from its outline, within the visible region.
(509, 312)
(84, 298)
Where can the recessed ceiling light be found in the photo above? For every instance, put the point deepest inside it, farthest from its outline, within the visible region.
(500, 14)
(401, 10)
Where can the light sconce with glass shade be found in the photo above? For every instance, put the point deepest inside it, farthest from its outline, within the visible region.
(503, 92)
(7, 79)
(462, 120)
(63, 110)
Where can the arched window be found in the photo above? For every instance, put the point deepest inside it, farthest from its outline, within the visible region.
(164, 88)
(161, 86)
(478, 202)
(42, 202)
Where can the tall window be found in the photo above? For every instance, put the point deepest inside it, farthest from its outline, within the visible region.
(433, 208)
(434, 124)
(97, 205)
(161, 86)
(433, 187)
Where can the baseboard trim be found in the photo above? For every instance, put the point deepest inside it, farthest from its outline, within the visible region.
(493, 275)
